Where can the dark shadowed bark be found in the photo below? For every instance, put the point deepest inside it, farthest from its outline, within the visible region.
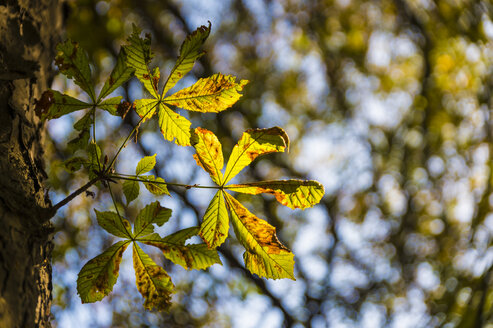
(29, 31)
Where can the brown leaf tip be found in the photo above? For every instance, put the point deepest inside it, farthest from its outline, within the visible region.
(43, 105)
(123, 108)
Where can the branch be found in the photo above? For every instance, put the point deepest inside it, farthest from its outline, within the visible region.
(70, 197)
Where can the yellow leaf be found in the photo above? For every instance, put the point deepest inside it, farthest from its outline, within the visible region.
(155, 185)
(253, 143)
(264, 255)
(215, 224)
(193, 256)
(152, 281)
(173, 125)
(213, 94)
(209, 154)
(290, 193)
(189, 52)
(139, 56)
(146, 108)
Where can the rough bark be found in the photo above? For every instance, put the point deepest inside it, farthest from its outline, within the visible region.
(29, 31)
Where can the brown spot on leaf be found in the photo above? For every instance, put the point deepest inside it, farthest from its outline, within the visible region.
(123, 108)
(261, 231)
(155, 81)
(43, 105)
(157, 210)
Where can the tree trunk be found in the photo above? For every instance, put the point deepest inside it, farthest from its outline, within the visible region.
(29, 31)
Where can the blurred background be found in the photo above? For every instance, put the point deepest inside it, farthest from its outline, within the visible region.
(386, 102)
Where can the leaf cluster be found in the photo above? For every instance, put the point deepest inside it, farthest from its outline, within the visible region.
(264, 254)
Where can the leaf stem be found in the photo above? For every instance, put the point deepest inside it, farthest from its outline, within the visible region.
(114, 202)
(94, 133)
(128, 138)
(121, 176)
(118, 212)
(76, 193)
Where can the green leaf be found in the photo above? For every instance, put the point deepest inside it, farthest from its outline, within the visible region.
(114, 224)
(290, 193)
(156, 186)
(121, 73)
(146, 164)
(212, 94)
(94, 153)
(189, 52)
(97, 277)
(139, 56)
(72, 62)
(54, 104)
(111, 105)
(264, 254)
(131, 190)
(95, 161)
(79, 142)
(85, 122)
(153, 283)
(174, 125)
(74, 164)
(83, 125)
(195, 256)
(215, 224)
(253, 143)
(209, 154)
(153, 213)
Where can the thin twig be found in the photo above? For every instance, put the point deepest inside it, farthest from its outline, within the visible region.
(76, 193)
(120, 176)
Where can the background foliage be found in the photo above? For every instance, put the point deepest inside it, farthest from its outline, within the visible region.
(387, 103)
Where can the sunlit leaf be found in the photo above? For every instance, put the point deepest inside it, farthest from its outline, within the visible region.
(121, 73)
(54, 104)
(72, 62)
(212, 94)
(111, 105)
(290, 193)
(114, 224)
(189, 52)
(97, 277)
(173, 125)
(209, 153)
(152, 281)
(153, 213)
(139, 56)
(253, 143)
(194, 256)
(264, 254)
(215, 224)
(131, 190)
(146, 108)
(156, 186)
(146, 164)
